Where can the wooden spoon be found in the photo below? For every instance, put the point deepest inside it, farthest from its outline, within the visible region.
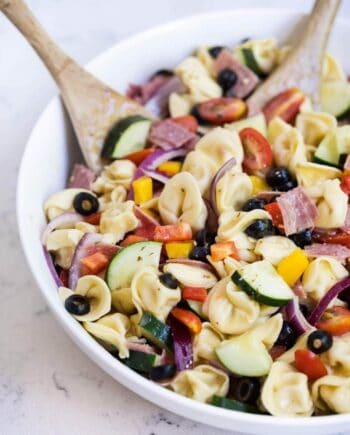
(303, 66)
(92, 105)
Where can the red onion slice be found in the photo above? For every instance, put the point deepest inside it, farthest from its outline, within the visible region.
(65, 220)
(152, 162)
(221, 172)
(332, 293)
(212, 222)
(158, 176)
(144, 218)
(85, 242)
(52, 268)
(293, 314)
(193, 263)
(182, 341)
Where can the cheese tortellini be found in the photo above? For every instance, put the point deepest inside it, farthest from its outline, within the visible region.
(314, 126)
(61, 202)
(287, 144)
(231, 310)
(200, 85)
(201, 383)
(205, 342)
(118, 173)
(338, 356)
(179, 105)
(62, 244)
(332, 393)
(119, 221)
(233, 190)
(149, 294)
(232, 225)
(181, 201)
(310, 174)
(274, 248)
(332, 70)
(285, 392)
(320, 275)
(332, 204)
(112, 331)
(212, 151)
(96, 291)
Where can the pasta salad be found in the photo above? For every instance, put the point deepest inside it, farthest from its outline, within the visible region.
(211, 253)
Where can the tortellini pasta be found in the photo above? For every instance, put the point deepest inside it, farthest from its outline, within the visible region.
(112, 331)
(332, 204)
(310, 174)
(338, 356)
(201, 383)
(119, 221)
(149, 294)
(232, 223)
(196, 78)
(181, 201)
(285, 392)
(205, 342)
(233, 190)
(86, 227)
(320, 275)
(191, 276)
(61, 202)
(113, 198)
(268, 331)
(274, 248)
(213, 150)
(207, 60)
(63, 243)
(179, 105)
(265, 52)
(231, 310)
(314, 126)
(96, 291)
(332, 393)
(118, 173)
(287, 144)
(225, 267)
(122, 301)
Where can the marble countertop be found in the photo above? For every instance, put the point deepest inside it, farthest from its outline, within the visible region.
(47, 385)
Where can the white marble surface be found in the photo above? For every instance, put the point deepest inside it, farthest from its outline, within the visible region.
(47, 386)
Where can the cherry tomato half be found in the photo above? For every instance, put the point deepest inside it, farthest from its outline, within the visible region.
(336, 321)
(286, 105)
(337, 237)
(257, 150)
(310, 364)
(221, 110)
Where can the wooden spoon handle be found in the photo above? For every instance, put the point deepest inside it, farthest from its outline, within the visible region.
(21, 16)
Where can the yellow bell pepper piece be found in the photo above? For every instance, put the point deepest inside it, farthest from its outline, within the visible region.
(259, 184)
(143, 189)
(293, 266)
(179, 249)
(170, 168)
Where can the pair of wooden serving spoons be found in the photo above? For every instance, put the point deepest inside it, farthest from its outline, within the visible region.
(94, 107)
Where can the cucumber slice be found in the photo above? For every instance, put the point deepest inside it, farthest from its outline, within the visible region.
(244, 355)
(236, 405)
(335, 97)
(258, 122)
(251, 62)
(155, 331)
(261, 281)
(127, 136)
(327, 152)
(129, 260)
(333, 147)
(140, 361)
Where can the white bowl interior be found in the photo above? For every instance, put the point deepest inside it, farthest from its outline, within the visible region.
(52, 149)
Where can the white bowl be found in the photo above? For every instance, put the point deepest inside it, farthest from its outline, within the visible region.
(52, 149)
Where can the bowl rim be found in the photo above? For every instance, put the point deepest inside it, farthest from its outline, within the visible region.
(141, 386)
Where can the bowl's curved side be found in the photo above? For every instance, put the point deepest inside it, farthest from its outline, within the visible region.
(47, 158)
